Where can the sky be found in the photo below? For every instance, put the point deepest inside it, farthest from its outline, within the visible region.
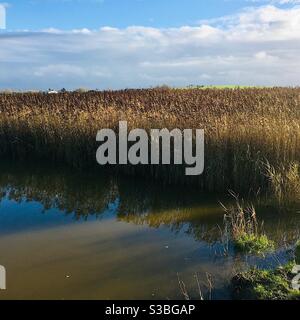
(113, 44)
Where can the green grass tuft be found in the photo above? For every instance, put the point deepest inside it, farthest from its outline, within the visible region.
(254, 244)
(246, 233)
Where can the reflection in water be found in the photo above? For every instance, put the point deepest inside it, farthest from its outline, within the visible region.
(94, 236)
(88, 196)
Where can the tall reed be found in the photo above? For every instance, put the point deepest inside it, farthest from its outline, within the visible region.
(284, 183)
(242, 128)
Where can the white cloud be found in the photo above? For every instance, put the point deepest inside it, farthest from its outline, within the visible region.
(258, 46)
(2, 15)
(280, 2)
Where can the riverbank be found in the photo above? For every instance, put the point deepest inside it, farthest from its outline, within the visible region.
(265, 284)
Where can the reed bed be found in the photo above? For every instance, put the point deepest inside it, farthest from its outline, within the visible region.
(244, 129)
(285, 184)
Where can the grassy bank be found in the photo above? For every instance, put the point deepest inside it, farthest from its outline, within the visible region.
(258, 284)
(245, 129)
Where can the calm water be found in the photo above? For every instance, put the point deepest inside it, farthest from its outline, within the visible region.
(90, 236)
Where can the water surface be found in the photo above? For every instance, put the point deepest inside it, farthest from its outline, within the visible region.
(66, 235)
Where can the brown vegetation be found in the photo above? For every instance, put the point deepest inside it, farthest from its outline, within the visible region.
(244, 129)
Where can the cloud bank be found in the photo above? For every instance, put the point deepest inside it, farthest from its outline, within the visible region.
(258, 46)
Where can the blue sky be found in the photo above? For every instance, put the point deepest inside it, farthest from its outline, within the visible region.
(141, 43)
(70, 14)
